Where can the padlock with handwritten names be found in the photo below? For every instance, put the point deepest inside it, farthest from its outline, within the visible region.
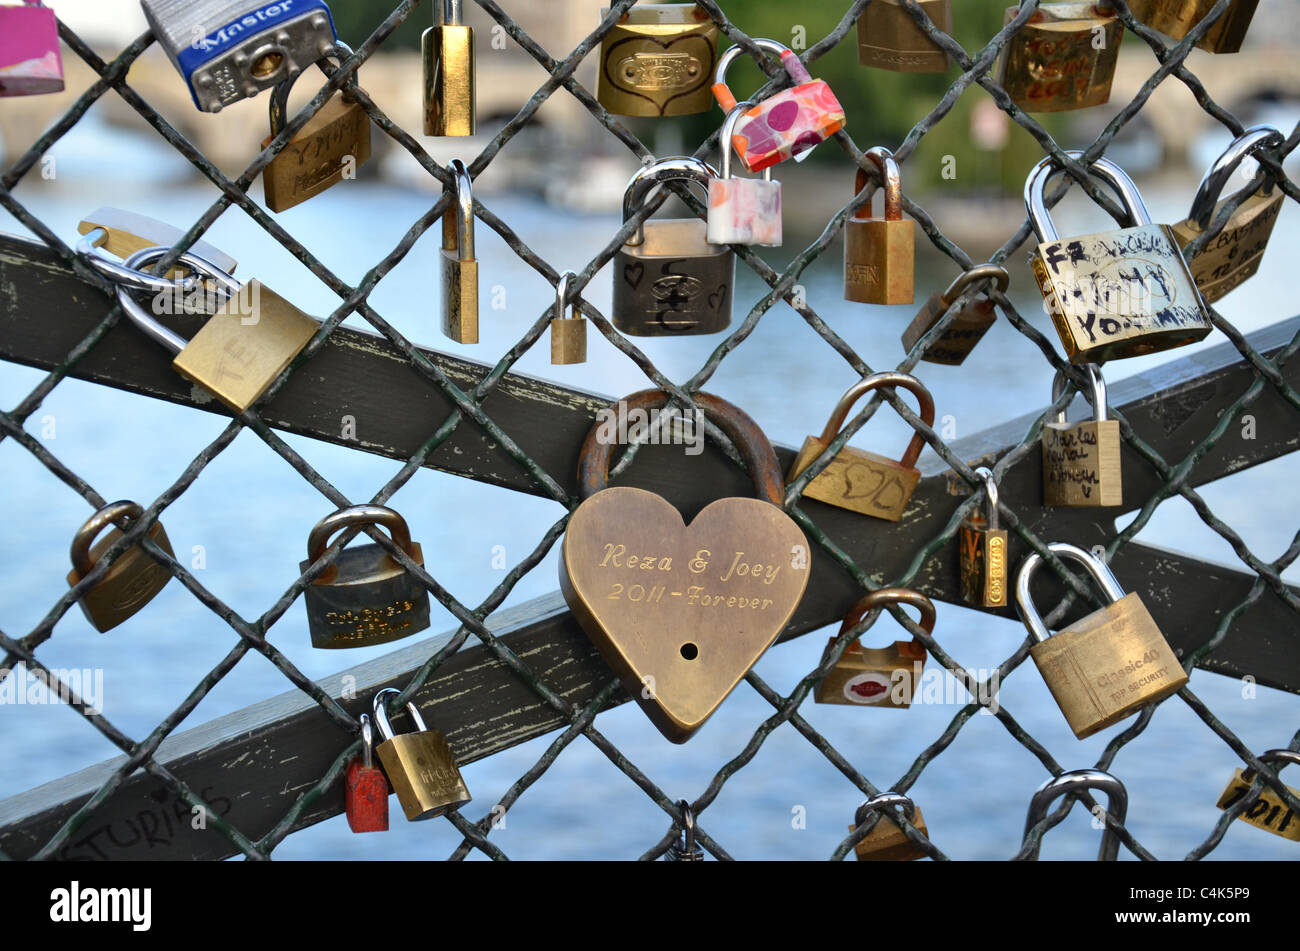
(879, 253)
(1270, 811)
(888, 37)
(887, 842)
(1081, 461)
(1062, 58)
(658, 60)
(975, 315)
(30, 61)
(447, 51)
(419, 765)
(742, 210)
(366, 787)
(132, 580)
(1177, 18)
(878, 676)
(983, 551)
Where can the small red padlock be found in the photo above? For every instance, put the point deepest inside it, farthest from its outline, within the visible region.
(30, 62)
(367, 787)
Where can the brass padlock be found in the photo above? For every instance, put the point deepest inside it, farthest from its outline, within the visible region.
(1176, 18)
(1108, 665)
(685, 849)
(1234, 255)
(1081, 461)
(132, 580)
(459, 266)
(878, 676)
(888, 37)
(1270, 811)
(887, 842)
(123, 233)
(1072, 782)
(974, 316)
(366, 596)
(333, 143)
(568, 334)
(879, 252)
(668, 279)
(420, 766)
(858, 480)
(448, 53)
(658, 60)
(1062, 58)
(983, 551)
(1115, 293)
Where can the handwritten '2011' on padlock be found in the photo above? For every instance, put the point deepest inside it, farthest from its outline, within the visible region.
(1176, 18)
(1075, 781)
(1063, 58)
(1234, 255)
(1081, 461)
(1113, 294)
(668, 279)
(887, 842)
(132, 580)
(1106, 666)
(227, 50)
(366, 596)
(888, 37)
(878, 676)
(858, 480)
(789, 124)
(459, 266)
(879, 253)
(982, 547)
(419, 765)
(967, 326)
(30, 61)
(1270, 811)
(742, 210)
(658, 60)
(447, 50)
(681, 612)
(333, 143)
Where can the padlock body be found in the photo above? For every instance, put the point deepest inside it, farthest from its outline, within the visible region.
(674, 282)
(1234, 255)
(888, 843)
(30, 61)
(245, 345)
(874, 676)
(130, 583)
(983, 565)
(744, 211)
(369, 599)
(878, 260)
(658, 60)
(1175, 18)
(459, 297)
(228, 50)
(365, 797)
(858, 481)
(1058, 61)
(1119, 294)
(126, 232)
(1081, 464)
(423, 773)
(1269, 813)
(335, 140)
(959, 338)
(890, 39)
(448, 53)
(1108, 666)
(568, 340)
(787, 125)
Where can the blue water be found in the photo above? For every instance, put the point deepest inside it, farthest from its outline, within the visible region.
(250, 513)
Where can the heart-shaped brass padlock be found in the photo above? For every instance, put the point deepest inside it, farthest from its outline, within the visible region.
(682, 612)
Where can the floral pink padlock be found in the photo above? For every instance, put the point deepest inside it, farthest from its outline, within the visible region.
(30, 63)
(787, 125)
(742, 210)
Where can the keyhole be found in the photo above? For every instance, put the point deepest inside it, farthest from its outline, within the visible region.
(267, 65)
(690, 651)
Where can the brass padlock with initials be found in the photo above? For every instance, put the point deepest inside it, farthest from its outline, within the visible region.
(887, 842)
(1113, 294)
(888, 37)
(1176, 18)
(879, 253)
(447, 50)
(878, 676)
(132, 580)
(1081, 461)
(858, 480)
(366, 596)
(1062, 58)
(668, 279)
(658, 60)
(459, 266)
(568, 334)
(420, 766)
(983, 552)
(967, 327)
(1270, 811)
(1234, 255)
(1110, 664)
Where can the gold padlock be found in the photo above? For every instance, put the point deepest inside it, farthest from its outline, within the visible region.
(968, 326)
(1270, 811)
(419, 766)
(568, 334)
(1081, 461)
(1176, 18)
(1062, 58)
(459, 266)
(658, 60)
(880, 676)
(858, 480)
(888, 37)
(887, 842)
(448, 53)
(879, 252)
(132, 580)
(1110, 664)
(983, 551)
(1234, 255)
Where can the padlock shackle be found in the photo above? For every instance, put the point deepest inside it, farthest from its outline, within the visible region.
(124, 511)
(886, 800)
(1100, 572)
(1284, 756)
(1258, 138)
(122, 275)
(330, 525)
(677, 168)
(279, 100)
(688, 826)
(450, 12)
(1102, 168)
(562, 292)
(726, 136)
(367, 742)
(721, 91)
(881, 598)
(227, 288)
(458, 220)
(1074, 782)
(981, 272)
(990, 496)
(1100, 407)
(379, 710)
(883, 159)
(864, 386)
(755, 448)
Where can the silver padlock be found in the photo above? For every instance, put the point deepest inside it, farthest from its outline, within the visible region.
(1075, 781)
(685, 849)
